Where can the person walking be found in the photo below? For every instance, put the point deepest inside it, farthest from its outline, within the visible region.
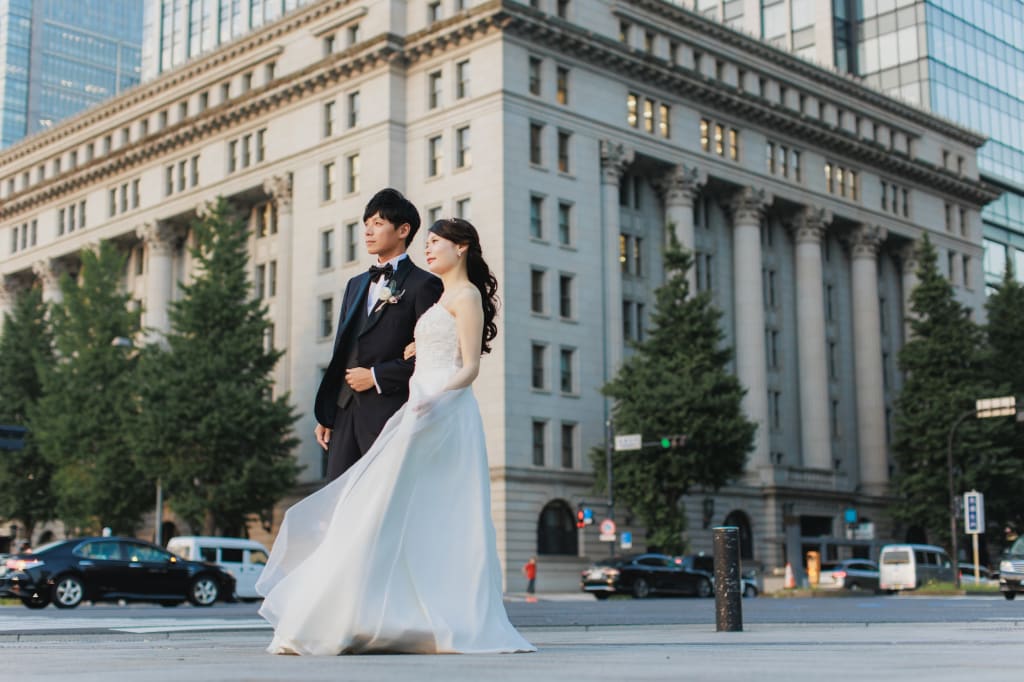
(530, 571)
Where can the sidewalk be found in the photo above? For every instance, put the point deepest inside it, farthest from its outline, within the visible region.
(948, 652)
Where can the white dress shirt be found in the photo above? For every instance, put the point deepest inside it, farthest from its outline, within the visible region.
(371, 300)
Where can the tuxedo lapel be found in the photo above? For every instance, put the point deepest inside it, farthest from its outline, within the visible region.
(405, 266)
(356, 306)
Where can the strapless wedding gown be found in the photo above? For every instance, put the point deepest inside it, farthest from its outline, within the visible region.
(399, 553)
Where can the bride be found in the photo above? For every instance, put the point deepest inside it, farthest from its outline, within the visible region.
(399, 553)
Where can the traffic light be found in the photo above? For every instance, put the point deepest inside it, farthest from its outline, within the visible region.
(676, 441)
(580, 516)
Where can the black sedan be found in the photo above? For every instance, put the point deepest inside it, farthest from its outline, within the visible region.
(643, 575)
(68, 572)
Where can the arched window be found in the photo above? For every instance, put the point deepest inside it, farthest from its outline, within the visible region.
(167, 531)
(742, 521)
(556, 529)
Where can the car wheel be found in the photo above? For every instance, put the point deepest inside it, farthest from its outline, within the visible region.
(855, 587)
(704, 588)
(641, 590)
(203, 591)
(601, 596)
(1009, 595)
(749, 591)
(68, 592)
(36, 601)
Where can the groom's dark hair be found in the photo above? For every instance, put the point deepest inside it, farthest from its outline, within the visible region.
(396, 209)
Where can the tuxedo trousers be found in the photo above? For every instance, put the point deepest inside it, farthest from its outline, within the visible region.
(356, 427)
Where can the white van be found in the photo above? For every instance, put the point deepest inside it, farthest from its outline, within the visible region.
(907, 567)
(243, 559)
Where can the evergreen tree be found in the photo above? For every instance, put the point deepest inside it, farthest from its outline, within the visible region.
(1004, 365)
(677, 382)
(87, 411)
(26, 350)
(220, 443)
(942, 363)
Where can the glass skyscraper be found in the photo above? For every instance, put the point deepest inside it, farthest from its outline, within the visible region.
(961, 59)
(58, 57)
(178, 30)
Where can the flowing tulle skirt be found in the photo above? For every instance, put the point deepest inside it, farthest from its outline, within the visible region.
(398, 554)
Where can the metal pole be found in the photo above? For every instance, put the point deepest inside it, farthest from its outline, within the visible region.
(159, 518)
(609, 438)
(728, 586)
(953, 498)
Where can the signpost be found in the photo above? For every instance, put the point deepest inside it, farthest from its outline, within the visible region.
(974, 523)
(607, 531)
(626, 541)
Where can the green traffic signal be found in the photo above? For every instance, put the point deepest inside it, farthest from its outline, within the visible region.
(666, 443)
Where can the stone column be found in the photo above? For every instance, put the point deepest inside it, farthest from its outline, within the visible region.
(8, 298)
(747, 210)
(280, 188)
(49, 271)
(908, 270)
(815, 433)
(679, 187)
(867, 352)
(160, 240)
(615, 158)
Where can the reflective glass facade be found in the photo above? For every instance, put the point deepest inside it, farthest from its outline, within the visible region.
(178, 30)
(58, 57)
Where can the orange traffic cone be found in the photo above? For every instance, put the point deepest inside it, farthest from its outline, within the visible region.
(790, 579)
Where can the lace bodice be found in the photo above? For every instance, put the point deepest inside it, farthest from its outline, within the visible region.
(437, 340)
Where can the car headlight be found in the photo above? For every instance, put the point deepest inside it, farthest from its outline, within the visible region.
(1005, 567)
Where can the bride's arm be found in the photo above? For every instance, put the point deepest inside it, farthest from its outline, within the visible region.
(469, 324)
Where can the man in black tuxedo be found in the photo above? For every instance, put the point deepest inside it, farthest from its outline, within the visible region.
(368, 379)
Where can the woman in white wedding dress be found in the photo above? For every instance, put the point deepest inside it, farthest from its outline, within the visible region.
(399, 554)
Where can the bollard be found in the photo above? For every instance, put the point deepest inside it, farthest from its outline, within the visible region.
(728, 586)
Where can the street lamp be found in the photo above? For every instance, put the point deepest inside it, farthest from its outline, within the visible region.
(983, 409)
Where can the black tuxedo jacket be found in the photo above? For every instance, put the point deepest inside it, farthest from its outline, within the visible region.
(379, 344)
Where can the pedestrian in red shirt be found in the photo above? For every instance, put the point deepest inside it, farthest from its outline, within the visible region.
(530, 571)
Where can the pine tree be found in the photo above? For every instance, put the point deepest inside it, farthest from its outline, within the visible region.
(87, 411)
(220, 443)
(26, 350)
(1004, 369)
(677, 382)
(942, 363)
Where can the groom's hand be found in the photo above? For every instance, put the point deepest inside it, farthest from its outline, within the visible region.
(359, 378)
(323, 435)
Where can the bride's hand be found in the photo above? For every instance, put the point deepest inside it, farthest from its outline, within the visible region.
(425, 405)
(410, 351)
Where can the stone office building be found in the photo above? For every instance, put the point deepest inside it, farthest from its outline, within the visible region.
(573, 135)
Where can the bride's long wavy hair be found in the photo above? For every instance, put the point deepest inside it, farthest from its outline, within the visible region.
(463, 233)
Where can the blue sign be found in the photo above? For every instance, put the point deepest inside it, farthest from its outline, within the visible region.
(850, 515)
(588, 514)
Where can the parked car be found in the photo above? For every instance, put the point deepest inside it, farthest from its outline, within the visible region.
(242, 558)
(849, 574)
(907, 567)
(643, 575)
(1011, 570)
(68, 572)
(967, 575)
(705, 563)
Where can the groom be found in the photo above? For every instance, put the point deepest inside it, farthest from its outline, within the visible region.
(367, 379)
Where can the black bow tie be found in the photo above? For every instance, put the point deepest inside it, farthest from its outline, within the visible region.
(376, 271)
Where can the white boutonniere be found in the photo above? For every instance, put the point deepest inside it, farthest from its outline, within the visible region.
(387, 296)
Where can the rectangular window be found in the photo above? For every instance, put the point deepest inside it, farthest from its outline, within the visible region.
(434, 156)
(462, 79)
(193, 173)
(260, 281)
(463, 156)
(261, 149)
(245, 146)
(769, 157)
(81, 217)
(705, 134)
(949, 217)
(328, 45)
(536, 137)
(963, 221)
(627, 320)
(462, 208)
(664, 121)
(834, 414)
(34, 234)
(433, 12)
(562, 85)
(537, 366)
(537, 291)
(327, 181)
(624, 248)
(353, 109)
(123, 195)
(537, 217)
(535, 66)
(734, 144)
(60, 228)
(112, 207)
(568, 445)
(638, 264)
(649, 115)
(169, 180)
(204, 101)
(352, 166)
(328, 129)
(794, 164)
(434, 90)
(327, 249)
(351, 237)
(564, 139)
(272, 279)
(567, 357)
(326, 316)
(433, 215)
(833, 361)
(232, 156)
(564, 223)
(539, 428)
(246, 82)
(830, 313)
(182, 167)
(353, 34)
(633, 110)
(565, 296)
(906, 203)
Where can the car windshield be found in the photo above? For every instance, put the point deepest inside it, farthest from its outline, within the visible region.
(1018, 547)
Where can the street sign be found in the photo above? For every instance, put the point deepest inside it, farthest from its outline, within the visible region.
(974, 513)
(850, 515)
(629, 441)
(863, 531)
(12, 437)
(607, 531)
(626, 541)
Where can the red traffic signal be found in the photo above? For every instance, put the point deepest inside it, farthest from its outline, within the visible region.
(581, 518)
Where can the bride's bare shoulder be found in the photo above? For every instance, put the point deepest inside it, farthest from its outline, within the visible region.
(466, 299)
